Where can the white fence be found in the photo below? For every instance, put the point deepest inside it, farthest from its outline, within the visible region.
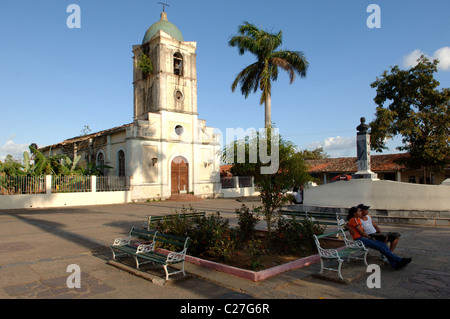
(238, 186)
(57, 191)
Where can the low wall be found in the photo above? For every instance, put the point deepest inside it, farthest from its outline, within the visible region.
(380, 194)
(239, 192)
(63, 199)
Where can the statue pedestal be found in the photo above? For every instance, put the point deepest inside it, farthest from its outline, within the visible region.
(363, 154)
(367, 174)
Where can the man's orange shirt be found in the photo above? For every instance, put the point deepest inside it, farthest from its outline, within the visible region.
(353, 223)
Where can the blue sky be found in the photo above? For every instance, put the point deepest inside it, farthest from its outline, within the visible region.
(54, 80)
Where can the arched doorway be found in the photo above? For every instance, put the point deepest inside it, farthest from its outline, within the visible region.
(180, 175)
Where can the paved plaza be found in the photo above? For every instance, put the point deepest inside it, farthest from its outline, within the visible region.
(37, 246)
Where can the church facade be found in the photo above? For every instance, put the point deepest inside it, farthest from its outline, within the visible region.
(167, 149)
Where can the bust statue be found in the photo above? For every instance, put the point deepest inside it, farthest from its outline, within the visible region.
(363, 127)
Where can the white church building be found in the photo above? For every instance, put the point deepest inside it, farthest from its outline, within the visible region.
(167, 149)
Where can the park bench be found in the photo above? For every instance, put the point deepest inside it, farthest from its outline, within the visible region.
(154, 219)
(321, 218)
(351, 249)
(125, 246)
(147, 252)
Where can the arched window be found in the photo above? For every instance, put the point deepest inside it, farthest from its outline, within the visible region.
(121, 162)
(100, 160)
(178, 64)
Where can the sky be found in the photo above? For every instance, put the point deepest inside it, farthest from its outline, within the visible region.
(56, 79)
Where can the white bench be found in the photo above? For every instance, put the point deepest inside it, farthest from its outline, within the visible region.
(350, 250)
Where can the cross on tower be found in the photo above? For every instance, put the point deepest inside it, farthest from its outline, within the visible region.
(164, 5)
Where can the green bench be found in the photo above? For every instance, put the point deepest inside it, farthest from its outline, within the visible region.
(351, 249)
(153, 219)
(147, 252)
(321, 218)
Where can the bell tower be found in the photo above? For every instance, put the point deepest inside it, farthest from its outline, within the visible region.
(172, 83)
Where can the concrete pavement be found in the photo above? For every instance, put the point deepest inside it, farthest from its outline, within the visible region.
(37, 246)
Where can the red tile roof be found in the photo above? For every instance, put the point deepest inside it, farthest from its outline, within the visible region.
(380, 163)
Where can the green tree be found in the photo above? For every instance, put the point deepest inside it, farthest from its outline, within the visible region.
(292, 170)
(411, 105)
(260, 74)
(316, 154)
(11, 167)
(145, 64)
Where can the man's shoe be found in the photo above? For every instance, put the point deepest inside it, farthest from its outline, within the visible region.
(402, 263)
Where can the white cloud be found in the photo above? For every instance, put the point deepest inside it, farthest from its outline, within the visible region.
(410, 60)
(336, 146)
(13, 149)
(442, 54)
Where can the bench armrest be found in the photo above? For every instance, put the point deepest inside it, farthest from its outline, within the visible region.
(142, 248)
(177, 256)
(122, 241)
(329, 253)
(354, 243)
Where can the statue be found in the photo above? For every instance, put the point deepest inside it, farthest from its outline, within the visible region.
(363, 127)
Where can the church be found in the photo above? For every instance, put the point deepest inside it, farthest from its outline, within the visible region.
(167, 149)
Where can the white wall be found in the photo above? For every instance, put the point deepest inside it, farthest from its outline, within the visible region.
(380, 194)
(63, 199)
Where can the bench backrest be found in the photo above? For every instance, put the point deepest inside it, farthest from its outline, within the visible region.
(152, 219)
(319, 215)
(329, 234)
(172, 240)
(143, 233)
(317, 237)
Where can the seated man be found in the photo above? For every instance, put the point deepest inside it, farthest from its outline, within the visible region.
(359, 234)
(374, 231)
(297, 196)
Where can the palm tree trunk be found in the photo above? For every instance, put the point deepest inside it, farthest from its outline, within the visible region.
(268, 112)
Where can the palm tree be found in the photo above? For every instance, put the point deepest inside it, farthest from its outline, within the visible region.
(265, 70)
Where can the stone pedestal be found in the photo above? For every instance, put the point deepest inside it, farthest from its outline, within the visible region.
(363, 153)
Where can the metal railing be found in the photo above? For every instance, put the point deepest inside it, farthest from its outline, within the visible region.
(112, 183)
(242, 181)
(228, 182)
(17, 185)
(71, 184)
(245, 181)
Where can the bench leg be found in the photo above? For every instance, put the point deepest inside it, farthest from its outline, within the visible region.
(321, 266)
(365, 257)
(167, 272)
(137, 261)
(117, 254)
(339, 269)
(182, 268)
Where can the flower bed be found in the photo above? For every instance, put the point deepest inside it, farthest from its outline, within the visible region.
(290, 245)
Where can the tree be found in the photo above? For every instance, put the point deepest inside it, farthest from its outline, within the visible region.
(292, 170)
(265, 70)
(11, 167)
(146, 66)
(316, 154)
(418, 111)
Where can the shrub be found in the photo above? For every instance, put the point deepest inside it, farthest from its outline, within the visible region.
(246, 222)
(222, 244)
(295, 236)
(255, 249)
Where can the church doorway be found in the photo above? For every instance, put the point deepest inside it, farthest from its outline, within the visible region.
(180, 175)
